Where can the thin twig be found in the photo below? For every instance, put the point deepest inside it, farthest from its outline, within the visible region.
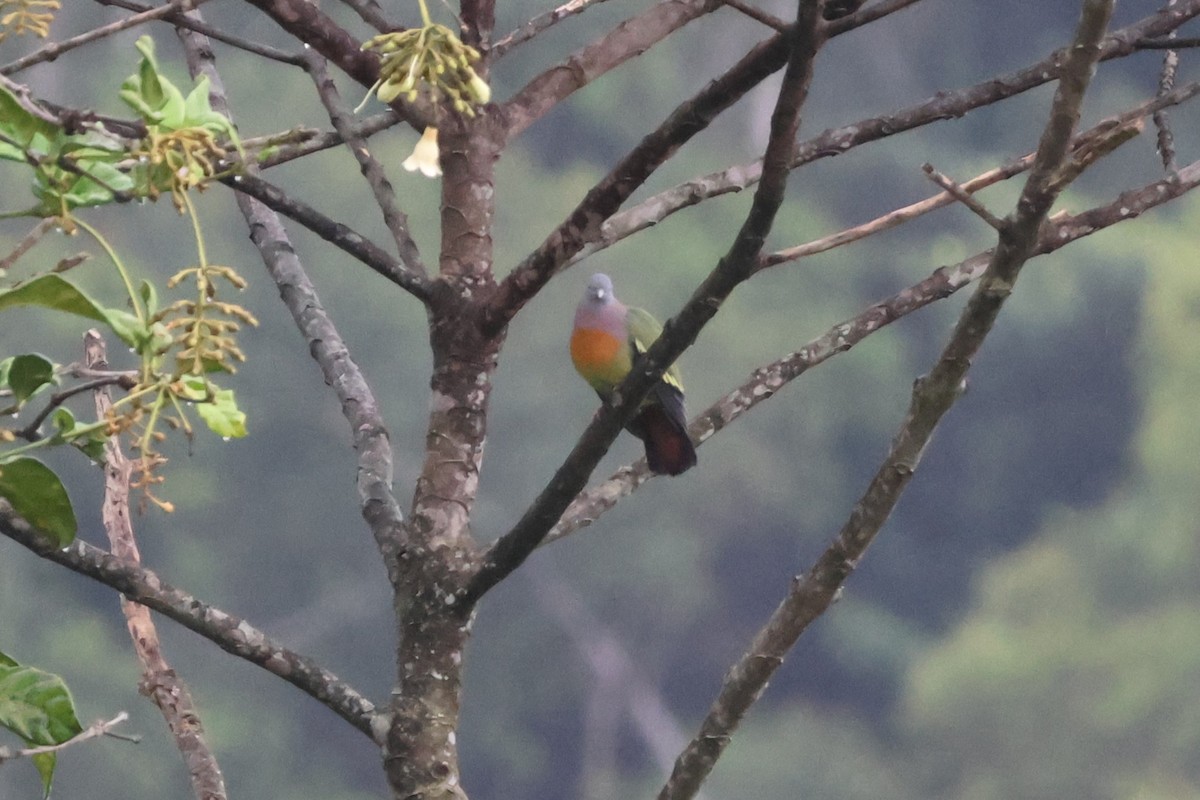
(757, 14)
(835, 141)
(963, 196)
(179, 18)
(160, 682)
(370, 13)
(30, 431)
(102, 728)
(27, 241)
(372, 170)
(540, 23)
(1166, 82)
(1087, 147)
(933, 395)
(53, 50)
(305, 143)
(336, 233)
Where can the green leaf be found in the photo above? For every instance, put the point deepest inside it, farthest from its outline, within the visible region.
(127, 326)
(37, 494)
(195, 388)
(92, 445)
(22, 127)
(7, 660)
(149, 297)
(37, 706)
(44, 762)
(28, 373)
(150, 93)
(222, 415)
(97, 186)
(53, 291)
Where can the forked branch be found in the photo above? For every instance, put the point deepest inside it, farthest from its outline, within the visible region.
(933, 395)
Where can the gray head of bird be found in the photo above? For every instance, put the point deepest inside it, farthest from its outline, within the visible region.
(599, 289)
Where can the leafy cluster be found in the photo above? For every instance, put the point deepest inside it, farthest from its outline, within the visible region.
(179, 345)
(18, 17)
(37, 707)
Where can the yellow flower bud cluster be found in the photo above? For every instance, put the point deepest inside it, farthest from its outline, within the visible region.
(21, 16)
(431, 58)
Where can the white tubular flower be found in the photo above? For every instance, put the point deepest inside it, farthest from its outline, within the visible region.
(425, 155)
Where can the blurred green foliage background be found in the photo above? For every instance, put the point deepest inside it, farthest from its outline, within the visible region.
(1028, 624)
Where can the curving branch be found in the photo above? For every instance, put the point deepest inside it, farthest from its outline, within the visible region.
(628, 40)
(162, 684)
(377, 502)
(308, 24)
(179, 18)
(370, 13)
(230, 633)
(510, 550)
(583, 225)
(372, 170)
(101, 728)
(538, 24)
(300, 142)
(811, 595)
(55, 49)
(835, 141)
(336, 233)
(766, 381)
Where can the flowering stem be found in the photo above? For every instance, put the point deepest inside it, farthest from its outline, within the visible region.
(424, 13)
(134, 300)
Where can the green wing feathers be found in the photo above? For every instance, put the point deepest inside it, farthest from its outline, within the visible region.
(644, 330)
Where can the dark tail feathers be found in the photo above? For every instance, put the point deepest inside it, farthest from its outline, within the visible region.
(662, 425)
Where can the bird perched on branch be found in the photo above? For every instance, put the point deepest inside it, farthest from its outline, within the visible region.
(606, 342)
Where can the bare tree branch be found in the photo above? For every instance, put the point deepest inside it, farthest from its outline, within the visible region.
(179, 18)
(27, 242)
(160, 682)
(631, 38)
(602, 201)
(336, 233)
(231, 634)
(313, 141)
(377, 501)
(372, 170)
(55, 49)
(835, 141)
(372, 14)
(932, 397)
(963, 196)
(310, 25)
(539, 24)
(757, 14)
(527, 278)
(1166, 82)
(102, 728)
(766, 381)
(508, 552)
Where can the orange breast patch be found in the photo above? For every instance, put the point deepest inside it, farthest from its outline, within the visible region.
(601, 358)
